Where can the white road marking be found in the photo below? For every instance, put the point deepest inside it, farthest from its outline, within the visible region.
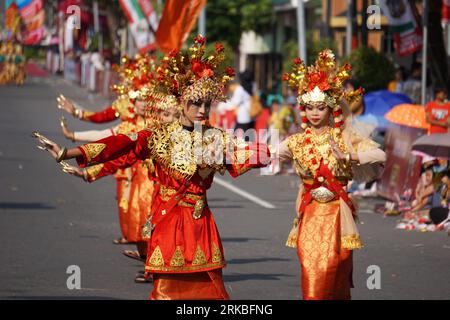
(244, 193)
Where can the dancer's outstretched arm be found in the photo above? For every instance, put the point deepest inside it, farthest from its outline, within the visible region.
(242, 157)
(85, 136)
(98, 171)
(104, 150)
(107, 115)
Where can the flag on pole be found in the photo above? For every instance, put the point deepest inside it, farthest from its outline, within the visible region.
(138, 23)
(150, 13)
(177, 20)
(407, 32)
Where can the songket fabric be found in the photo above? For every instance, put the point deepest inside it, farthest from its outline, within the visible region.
(324, 231)
(184, 239)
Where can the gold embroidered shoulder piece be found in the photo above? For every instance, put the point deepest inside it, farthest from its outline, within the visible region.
(177, 150)
(92, 150)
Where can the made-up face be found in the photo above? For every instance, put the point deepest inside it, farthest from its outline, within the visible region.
(196, 111)
(141, 106)
(318, 114)
(169, 115)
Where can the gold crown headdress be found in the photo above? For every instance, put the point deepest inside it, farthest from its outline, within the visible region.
(322, 82)
(193, 76)
(135, 75)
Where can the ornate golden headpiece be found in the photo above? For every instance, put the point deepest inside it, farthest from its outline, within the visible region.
(135, 76)
(192, 76)
(322, 82)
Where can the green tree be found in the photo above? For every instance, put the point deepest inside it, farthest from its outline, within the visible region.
(372, 69)
(313, 47)
(227, 19)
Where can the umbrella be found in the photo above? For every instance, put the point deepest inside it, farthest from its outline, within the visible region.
(409, 115)
(378, 121)
(436, 145)
(378, 103)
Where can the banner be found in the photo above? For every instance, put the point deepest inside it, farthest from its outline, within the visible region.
(446, 11)
(407, 33)
(178, 18)
(402, 169)
(29, 11)
(138, 23)
(34, 36)
(22, 3)
(36, 22)
(33, 16)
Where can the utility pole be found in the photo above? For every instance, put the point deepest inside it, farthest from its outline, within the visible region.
(328, 19)
(202, 22)
(424, 51)
(301, 30)
(364, 32)
(349, 29)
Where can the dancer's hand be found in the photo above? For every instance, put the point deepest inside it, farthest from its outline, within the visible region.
(67, 133)
(66, 105)
(212, 153)
(337, 152)
(75, 171)
(47, 144)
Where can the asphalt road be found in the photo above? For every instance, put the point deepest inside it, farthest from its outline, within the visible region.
(50, 221)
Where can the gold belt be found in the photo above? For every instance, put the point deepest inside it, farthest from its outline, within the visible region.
(322, 194)
(199, 200)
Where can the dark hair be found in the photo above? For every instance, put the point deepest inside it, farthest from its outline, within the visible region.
(275, 101)
(245, 79)
(438, 89)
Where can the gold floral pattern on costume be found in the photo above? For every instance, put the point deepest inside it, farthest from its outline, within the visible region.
(92, 150)
(217, 255)
(177, 258)
(199, 257)
(156, 258)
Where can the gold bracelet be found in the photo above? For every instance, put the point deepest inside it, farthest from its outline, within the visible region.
(76, 113)
(61, 154)
(348, 158)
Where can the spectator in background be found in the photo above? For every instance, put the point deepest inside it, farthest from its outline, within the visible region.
(438, 112)
(274, 95)
(241, 101)
(262, 120)
(226, 114)
(397, 84)
(413, 85)
(425, 188)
